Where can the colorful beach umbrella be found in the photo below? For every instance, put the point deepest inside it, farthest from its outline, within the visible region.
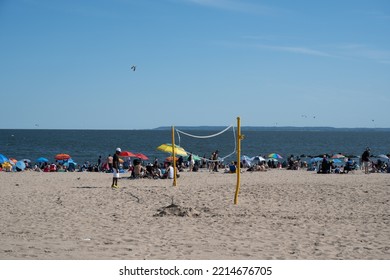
(62, 157)
(194, 157)
(275, 156)
(167, 148)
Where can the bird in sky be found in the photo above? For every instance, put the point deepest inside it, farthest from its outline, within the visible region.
(133, 67)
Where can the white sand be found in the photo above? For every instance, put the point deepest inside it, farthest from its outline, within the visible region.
(281, 214)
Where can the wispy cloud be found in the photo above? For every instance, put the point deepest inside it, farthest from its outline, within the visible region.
(233, 5)
(361, 51)
(295, 49)
(339, 51)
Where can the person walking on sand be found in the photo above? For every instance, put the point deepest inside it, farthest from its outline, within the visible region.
(366, 160)
(115, 168)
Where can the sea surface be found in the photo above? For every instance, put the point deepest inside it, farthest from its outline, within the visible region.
(88, 145)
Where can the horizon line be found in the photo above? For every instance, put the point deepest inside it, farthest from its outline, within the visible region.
(210, 127)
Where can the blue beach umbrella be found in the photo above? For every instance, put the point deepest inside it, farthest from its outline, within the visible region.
(21, 165)
(316, 159)
(69, 161)
(41, 159)
(3, 158)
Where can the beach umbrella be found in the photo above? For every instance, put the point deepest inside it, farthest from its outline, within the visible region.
(126, 154)
(141, 156)
(167, 148)
(246, 158)
(259, 158)
(275, 156)
(316, 159)
(70, 161)
(194, 157)
(338, 156)
(20, 165)
(383, 157)
(170, 159)
(41, 159)
(3, 158)
(62, 157)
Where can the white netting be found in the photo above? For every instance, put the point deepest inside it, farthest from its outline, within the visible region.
(211, 136)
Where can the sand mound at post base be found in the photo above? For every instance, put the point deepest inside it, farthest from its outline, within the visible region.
(176, 210)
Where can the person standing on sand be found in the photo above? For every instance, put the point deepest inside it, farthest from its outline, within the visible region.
(109, 162)
(366, 160)
(215, 159)
(99, 163)
(115, 168)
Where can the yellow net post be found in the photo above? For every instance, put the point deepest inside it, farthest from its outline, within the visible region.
(238, 168)
(173, 156)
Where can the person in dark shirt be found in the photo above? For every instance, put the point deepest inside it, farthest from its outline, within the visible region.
(115, 168)
(215, 159)
(366, 160)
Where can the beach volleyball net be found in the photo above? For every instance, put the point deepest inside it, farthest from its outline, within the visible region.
(209, 143)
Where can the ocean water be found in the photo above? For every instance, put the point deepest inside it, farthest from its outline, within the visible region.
(88, 145)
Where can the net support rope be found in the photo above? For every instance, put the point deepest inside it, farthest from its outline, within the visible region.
(211, 136)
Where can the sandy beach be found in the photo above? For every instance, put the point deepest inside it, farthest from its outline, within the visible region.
(282, 214)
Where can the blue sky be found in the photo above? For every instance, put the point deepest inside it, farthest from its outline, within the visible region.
(66, 64)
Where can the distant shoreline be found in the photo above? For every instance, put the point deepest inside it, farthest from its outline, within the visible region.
(245, 128)
(277, 128)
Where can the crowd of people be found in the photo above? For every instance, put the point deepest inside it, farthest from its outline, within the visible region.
(139, 169)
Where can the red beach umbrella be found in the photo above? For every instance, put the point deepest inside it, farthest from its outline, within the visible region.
(126, 154)
(62, 157)
(141, 156)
